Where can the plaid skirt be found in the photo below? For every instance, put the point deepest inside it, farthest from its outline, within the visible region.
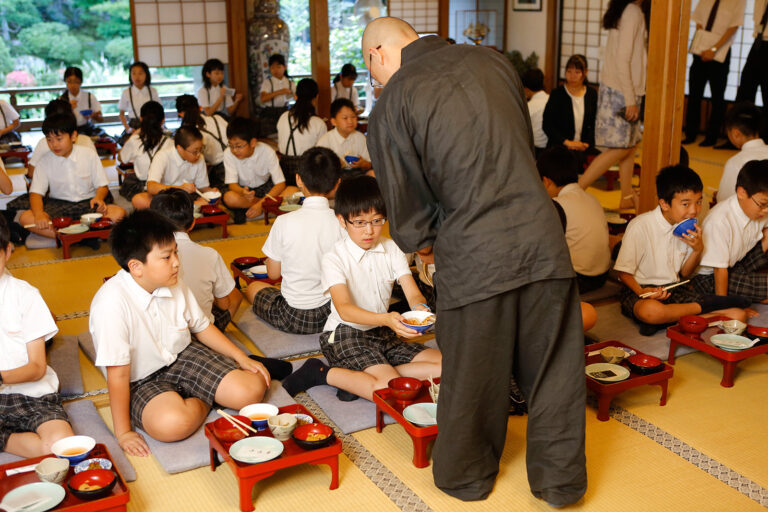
(57, 207)
(270, 305)
(132, 186)
(744, 278)
(680, 295)
(22, 413)
(357, 350)
(611, 129)
(196, 373)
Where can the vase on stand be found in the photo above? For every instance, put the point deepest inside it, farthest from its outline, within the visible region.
(267, 35)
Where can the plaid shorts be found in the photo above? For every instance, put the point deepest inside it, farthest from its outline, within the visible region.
(197, 372)
(357, 350)
(680, 295)
(744, 277)
(57, 207)
(270, 305)
(221, 317)
(22, 413)
(132, 186)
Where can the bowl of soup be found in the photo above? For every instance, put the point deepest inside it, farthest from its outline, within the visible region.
(420, 321)
(259, 414)
(313, 436)
(74, 448)
(92, 483)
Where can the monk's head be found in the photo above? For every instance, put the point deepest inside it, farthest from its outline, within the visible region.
(383, 40)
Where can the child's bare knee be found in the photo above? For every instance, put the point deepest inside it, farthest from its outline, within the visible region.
(650, 312)
(172, 424)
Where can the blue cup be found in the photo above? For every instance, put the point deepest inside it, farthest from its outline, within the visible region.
(351, 159)
(684, 227)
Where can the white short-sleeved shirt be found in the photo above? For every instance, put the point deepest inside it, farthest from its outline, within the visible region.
(369, 276)
(85, 101)
(255, 170)
(168, 168)
(350, 93)
(536, 106)
(207, 96)
(133, 152)
(140, 97)
(42, 148)
(354, 144)
(730, 13)
(754, 149)
(586, 230)
(215, 131)
(302, 140)
(73, 178)
(146, 330)
(728, 235)
(8, 114)
(650, 252)
(24, 317)
(272, 84)
(204, 272)
(298, 241)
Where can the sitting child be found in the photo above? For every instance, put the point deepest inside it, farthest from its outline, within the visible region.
(214, 130)
(344, 85)
(651, 257)
(735, 230)
(31, 415)
(586, 229)
(213, 95)
(360, 339)
(181, 167)
(141, 320)
(10, 121)
(345, 140)
(68, 181)
(85, 106)
(295, 248)
(202, 268)
(742, 125)
(251, 170)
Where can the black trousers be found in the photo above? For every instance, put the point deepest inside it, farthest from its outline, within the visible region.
(754, 74)
(534, 334)
(716, 73)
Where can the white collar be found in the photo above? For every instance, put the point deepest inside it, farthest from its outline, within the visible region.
(181, 235)
(735, 207)
(570, 188)
(662, 221)
(143, 296)
(753, 144)
(358, 252)
(316, 202)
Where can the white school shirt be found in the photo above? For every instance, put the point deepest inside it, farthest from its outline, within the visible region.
(82, 104)
(272, 84)
(354, 144)
(146, 330)
(339, 91)
(303, 140)
(754, 149)
(369, 276)
(208, 96)
(42, 148)
(728, 235)
(133, 152)
(255, 170)
(578, 113)
(649, 250)
(168, 168)
(215, 131)
(730, 13)
(298, 240)
(757, 16)
(73, 178)
(140, 97)
(586, 230)
(536, 106)
(204, 272)
(24, 317)
(7, 114)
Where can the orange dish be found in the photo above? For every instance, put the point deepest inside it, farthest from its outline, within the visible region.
(427, 321)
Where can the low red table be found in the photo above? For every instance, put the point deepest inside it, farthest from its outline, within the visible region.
(239, 274)
(107, 145)
(421, 436)
(702, 342)
(607, 391)
(293, 455)
(115, 502)
(273, 209)
(65, 240)
(21, 153)
(219, 218)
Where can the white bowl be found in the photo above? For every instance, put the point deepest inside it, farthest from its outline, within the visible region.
(266, 410)
(733, 326)
(418, 316)
(52, 470)
(74, 448)
(90, 218)
(212, 196)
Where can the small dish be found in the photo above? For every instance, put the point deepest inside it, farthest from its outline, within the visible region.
(424, 319)
(303, 434)
(61, 222)
(92, 484)
(52, 469)
(289, 207)
(282, 425)
(693, 324)
(351, 159)
(101, 225)
(209, 209)
(86, 112)
(613, 355)
(606, 372)
(421, 414)
(683, 227)
(253, 450)
(732, 342)
(22, 497)
(93, 464)
(74, 229)
(756, 330)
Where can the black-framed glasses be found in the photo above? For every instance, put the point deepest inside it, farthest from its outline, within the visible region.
(763, 207)
(374, 83)
(360, 224)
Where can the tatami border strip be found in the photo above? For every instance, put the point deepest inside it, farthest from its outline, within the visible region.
(394, 488)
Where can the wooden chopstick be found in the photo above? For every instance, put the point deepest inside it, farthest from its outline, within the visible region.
(269, 196)
(648, 294)
(237, 422)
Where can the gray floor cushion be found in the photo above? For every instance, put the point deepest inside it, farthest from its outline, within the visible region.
(271, 342)
(64, 358)
(35, 241)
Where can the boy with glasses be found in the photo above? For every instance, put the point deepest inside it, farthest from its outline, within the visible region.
(361, 340)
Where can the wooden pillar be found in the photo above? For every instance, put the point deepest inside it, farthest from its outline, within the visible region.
(443, 18)
(321, 59)
(667, 49)
(551, 66)
(237, 39)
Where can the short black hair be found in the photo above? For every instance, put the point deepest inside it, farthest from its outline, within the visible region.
(753, 177)
(348, 70)
(186, 135)
(276, 58)
(533, 79)
(359, 195)
(558, 164)
(137, 234)
(143, 66)
(5, 234)
(210, 65)
(340, 103)
(320, 170)
(73, 71)
(60, 123)
(745, 117)
(186, 101)
(176, 205)
(243, 128)
(58, 106)
(677, 179)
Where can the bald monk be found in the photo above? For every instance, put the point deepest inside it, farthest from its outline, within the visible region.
(450, 139)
